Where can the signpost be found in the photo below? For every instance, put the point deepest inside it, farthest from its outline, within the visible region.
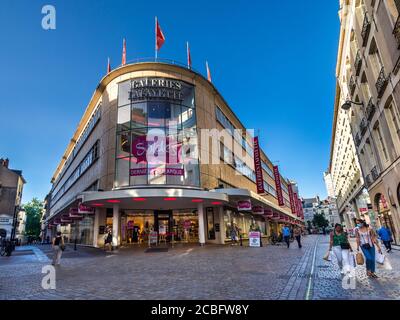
(254, 239)
(153, 238)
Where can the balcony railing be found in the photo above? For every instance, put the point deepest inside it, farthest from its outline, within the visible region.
(374, 173)
(357, 139)
(352, 85)
(368, 180)
(358, 63)
(381, 83)
(371, 108)
(363, 126)
(366, 28)
(396, 32)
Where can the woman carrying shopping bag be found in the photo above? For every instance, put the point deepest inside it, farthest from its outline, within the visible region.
(340, 246)
(366, 239)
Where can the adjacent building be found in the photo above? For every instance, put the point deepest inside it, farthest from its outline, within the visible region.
(329, 185)
(365, 149)
(144, 159)
(328, 208)
(11, 187)
(20, 226)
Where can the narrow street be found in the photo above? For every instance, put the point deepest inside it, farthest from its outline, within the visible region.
(193, 272)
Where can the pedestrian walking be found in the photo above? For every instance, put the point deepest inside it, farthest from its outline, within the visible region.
(341, 248)
(297, 235)
(58, 248)
(366, 239)
(234, 234)
(108, 240)
(386, 236)
(286, 235)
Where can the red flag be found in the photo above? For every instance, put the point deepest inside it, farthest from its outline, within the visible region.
(208, 72)
(189, 58)
(108, 66)
(160, 39)
(124, 52)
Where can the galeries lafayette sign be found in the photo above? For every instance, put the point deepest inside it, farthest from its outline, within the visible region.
(155, 88)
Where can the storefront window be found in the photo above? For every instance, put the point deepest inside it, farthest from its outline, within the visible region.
(243, 221)
(185, 226)
(82, 231)
(164, 105)
(137, 225)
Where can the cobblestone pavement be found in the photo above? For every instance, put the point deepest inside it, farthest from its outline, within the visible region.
(192, 272)
(328, 280)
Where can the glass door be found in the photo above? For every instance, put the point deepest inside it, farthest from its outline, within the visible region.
(163, 224)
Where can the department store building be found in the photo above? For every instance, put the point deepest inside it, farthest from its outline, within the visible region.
(195, 193)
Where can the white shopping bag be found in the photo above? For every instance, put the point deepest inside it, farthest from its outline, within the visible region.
(379, 258)
(385, 265)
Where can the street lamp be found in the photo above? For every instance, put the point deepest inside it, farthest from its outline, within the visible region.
(348, 103)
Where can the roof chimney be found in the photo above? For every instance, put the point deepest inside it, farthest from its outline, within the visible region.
(5, 162)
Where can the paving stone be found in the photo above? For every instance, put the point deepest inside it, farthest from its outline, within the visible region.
(193, 272)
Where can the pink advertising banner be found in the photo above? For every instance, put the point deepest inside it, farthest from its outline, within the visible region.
(257, 166)
(278, 186)
(157, 171)
(296, 203)
(291, 198)
(156, 149)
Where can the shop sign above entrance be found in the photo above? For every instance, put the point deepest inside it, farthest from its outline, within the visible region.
(258, 210)
(244, 205)
(82, 209)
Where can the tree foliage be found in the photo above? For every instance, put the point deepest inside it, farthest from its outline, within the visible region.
(320, 221)
(34, 210)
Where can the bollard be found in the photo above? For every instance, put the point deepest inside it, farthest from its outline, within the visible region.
(75, 244)
(241, 240)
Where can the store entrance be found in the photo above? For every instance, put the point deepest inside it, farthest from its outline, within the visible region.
(163, 224)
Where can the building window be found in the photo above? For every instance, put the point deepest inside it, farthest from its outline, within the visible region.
(157, 121)
(224, 121)
(394, 123)
(393, 7)
(381, 142)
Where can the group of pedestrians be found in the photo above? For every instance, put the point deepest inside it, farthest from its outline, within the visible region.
(287, 234)
(367, 244)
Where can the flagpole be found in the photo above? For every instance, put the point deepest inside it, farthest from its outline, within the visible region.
(155, 45)
(187, 53)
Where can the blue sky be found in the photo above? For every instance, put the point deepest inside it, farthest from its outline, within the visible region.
(273, 61)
